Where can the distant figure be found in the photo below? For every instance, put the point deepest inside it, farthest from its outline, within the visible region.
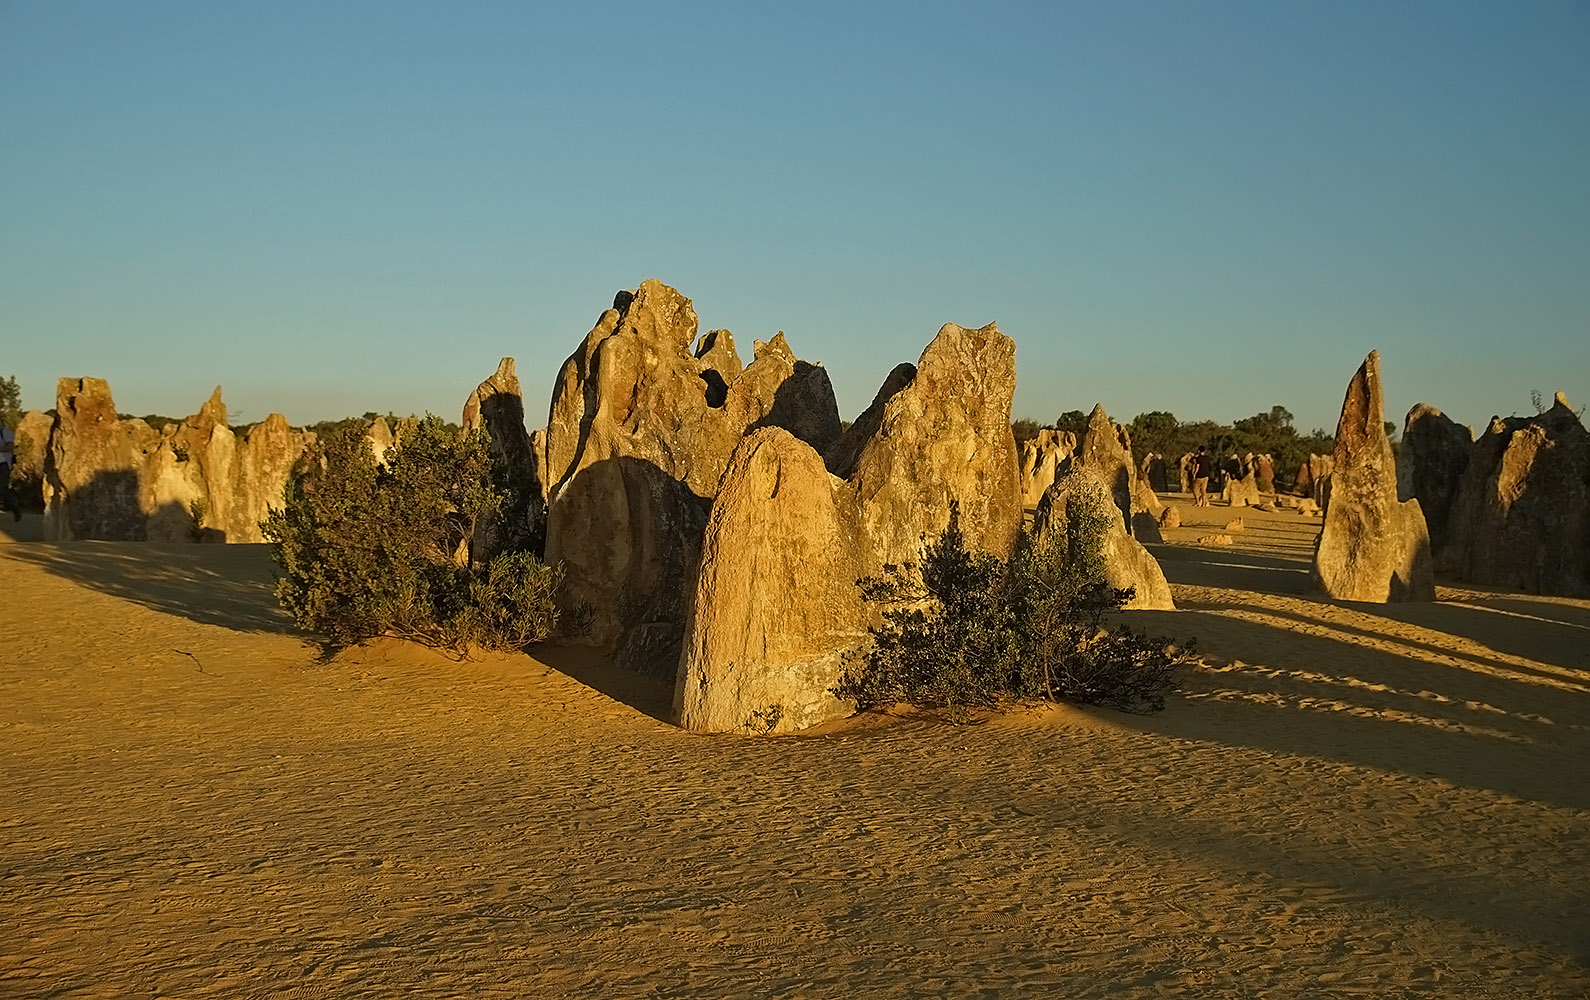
(1200, 478)
(8, 458)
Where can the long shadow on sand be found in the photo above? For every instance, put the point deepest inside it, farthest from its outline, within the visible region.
(1390, 704)
(1234, 569)
(226, 585)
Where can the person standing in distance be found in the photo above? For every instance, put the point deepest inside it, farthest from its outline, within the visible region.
(1200, 478)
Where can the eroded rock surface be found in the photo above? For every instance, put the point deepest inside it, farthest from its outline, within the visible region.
(1373, 547)
(121, 480)
(942, 437)
(1081, 507)
(776, 604)
(1044, 458)
(1521, 516)
(638, 436)
(1430, 462)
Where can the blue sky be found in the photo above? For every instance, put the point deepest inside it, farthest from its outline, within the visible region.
(1203, 208)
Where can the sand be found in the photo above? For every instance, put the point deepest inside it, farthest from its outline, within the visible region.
(1346, 800)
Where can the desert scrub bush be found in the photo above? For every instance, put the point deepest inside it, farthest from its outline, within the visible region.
(368, 549)
(974, 630)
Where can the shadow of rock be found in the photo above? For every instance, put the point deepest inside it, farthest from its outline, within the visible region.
(1234, 569)
(1332, 687)
(231, 586)
(598, 670)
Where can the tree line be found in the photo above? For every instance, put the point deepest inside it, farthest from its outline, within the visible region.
(1269, 433)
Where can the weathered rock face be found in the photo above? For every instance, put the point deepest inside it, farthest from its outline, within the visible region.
(1080, 507)
(1186, 468)
(943, 437)
(638, 437)
(716, 351)
(775, 604)
(381, 438)
(1044, 459)
(121, 480)
(1103, 452)
(1171, 518)
(497, 407)
(1435, 451)
(1521, 516)
(842, 456)
(92, 472)
(1242, 483)
(1372, 548)
(1106, 450)
(32, 444)
(1264, 470)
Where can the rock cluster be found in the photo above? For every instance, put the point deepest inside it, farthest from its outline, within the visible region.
(1520, 516)
(1044, 459)
(113, 479)
(775, 608)
(639, 433)
(1242, 482)
(1373, 547)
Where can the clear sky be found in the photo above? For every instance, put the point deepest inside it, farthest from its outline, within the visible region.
(1206, 208)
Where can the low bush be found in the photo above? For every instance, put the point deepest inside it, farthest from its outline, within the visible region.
(366, 550)
(975, 630)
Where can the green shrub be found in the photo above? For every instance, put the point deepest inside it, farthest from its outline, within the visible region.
(977, 630)
(367, 550)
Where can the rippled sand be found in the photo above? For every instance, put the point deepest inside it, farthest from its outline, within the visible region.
(1383, 801)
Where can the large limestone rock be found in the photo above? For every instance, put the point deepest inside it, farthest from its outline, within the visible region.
(32, 444)
(1435, 451)
(640, 431)
(1521, 516)
(497, 407)
(942, 437)
(121, 480)
(775, 603)
(1044, 458)
(93, 469)
(1152, 472)
(1106, 450)
(1373, 547)
(1079, 511)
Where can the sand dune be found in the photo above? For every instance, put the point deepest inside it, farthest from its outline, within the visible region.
(1346, 799)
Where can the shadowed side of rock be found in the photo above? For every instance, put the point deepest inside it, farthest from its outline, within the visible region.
(1521, 514)
(1430, 461)
(639, 432)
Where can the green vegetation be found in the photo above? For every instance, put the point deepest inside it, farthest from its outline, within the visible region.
(10, 402)
(367, 550)
(974, 630)
(1269, 433)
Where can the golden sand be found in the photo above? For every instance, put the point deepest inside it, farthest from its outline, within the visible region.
(1347, 799)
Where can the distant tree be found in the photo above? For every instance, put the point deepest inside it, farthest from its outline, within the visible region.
(1024, 429)
(1158, 432)
(10, 402)
(1074, 421)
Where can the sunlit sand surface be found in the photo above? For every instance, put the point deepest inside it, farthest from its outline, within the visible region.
(1347, 799)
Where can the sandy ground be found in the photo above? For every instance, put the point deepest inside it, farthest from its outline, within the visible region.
(1348, 800)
